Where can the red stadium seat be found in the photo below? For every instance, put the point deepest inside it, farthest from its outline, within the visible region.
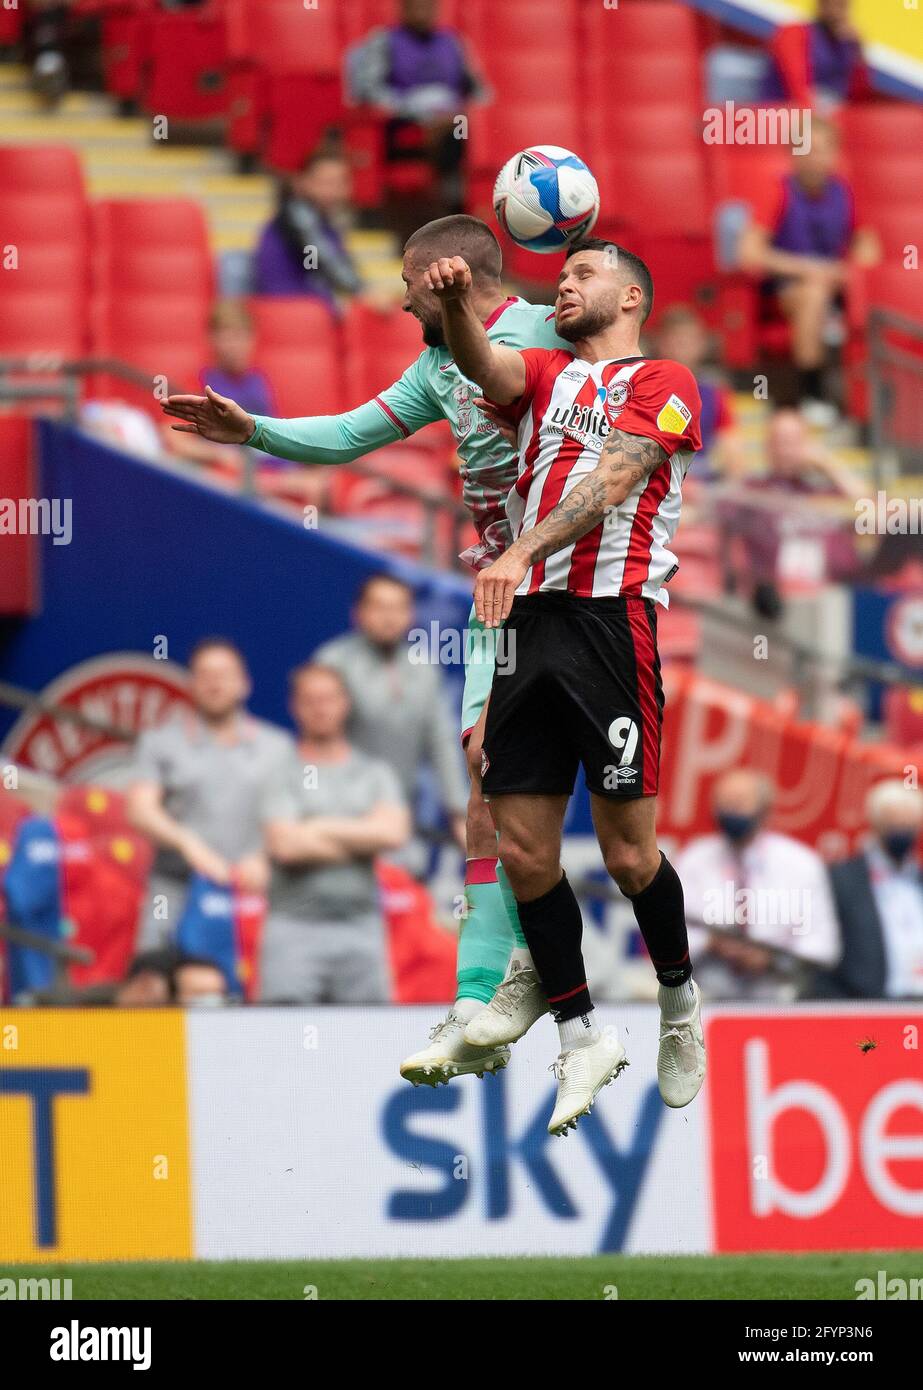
(186, 67)
(498, 131)
(292, 322)
(150, 319)
(305, 380)
(42, 322)
(878, 182)
(378, 349)
(11, 21)
(899, 290)
(650, 129)
(897, 228)
(49, 233)
(285, 35)
(125, 48)
(742, 173)
(634, 27)
(163, 336)
(298, 347)
(152, 246)
(884, 130)
(663, 197)
(149, 222)
(43, 169)
(285, 87)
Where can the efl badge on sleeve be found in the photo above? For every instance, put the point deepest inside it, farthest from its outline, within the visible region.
(674, 417)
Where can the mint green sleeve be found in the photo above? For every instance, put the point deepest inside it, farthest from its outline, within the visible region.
(396, 413)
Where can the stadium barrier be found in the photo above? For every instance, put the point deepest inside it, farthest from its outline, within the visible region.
(223, 1134)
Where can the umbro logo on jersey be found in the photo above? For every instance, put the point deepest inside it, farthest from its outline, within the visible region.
(572, 375)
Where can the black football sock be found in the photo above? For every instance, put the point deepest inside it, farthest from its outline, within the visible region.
(661, 915)
(553, 928)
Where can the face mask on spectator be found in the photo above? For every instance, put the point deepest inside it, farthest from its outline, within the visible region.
(897, 844)
(736, 827)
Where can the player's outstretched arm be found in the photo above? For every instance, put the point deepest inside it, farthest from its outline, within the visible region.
(211, 416)
(316, 439)
(499, 371)
(625, 461)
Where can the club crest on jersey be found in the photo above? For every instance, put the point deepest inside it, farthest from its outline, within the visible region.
(674, 416)
(617, 397)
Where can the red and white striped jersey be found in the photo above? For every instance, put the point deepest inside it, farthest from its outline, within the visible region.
(564, 415)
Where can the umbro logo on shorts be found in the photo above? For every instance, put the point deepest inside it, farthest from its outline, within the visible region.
(485, 761)
(626, 775)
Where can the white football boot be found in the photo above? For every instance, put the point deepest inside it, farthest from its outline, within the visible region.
(448, 1055)
(681, 1056)
(517, 1003)
(582, 1072)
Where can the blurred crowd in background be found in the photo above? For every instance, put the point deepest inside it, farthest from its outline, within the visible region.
(313, 142)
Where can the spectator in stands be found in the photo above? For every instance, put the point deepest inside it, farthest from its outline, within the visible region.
(683, 336)
(149, 982)
(230, 371)
(803, 242)
(797, 464)
(400, 708)
(302, 249)
(197, 785)
(818, 64)
(199, 983)
(421, 77)
(879, 903)
(332, 811)
(758, 903)
(781, 542)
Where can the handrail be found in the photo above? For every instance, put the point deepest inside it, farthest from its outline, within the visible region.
(40, 363)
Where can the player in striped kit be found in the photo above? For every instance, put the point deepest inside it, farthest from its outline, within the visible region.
(605, 438)
(432, 388)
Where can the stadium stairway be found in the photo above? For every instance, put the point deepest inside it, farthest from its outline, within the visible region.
(122, 160)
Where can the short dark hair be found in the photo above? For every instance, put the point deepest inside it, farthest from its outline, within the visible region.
(460, 235)
(625, 260)
(220, 644)
(382, 577)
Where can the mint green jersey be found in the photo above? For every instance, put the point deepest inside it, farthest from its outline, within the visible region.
(433, 388)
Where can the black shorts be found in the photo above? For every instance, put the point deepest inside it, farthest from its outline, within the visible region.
(580, 684)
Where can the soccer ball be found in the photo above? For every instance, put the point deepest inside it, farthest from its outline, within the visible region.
(545, 197)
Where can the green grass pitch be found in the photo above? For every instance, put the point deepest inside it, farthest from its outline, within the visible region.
(814, 1276)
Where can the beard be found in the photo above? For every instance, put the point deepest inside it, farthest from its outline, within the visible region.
(586, 324)
(433, 335)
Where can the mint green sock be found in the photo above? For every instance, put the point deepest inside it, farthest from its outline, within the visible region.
(484, 942)
(509, 902)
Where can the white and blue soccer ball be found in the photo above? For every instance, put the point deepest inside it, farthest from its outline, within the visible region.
(546, 197)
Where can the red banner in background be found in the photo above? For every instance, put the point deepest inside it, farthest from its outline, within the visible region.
(816, 1126)
(821, 775)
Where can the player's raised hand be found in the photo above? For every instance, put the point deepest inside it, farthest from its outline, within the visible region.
(496, 588)
(449, 277)
(211, 416)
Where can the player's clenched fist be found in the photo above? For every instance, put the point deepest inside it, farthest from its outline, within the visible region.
(449, 277)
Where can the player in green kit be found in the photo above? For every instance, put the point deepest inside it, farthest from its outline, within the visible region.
(494, 965)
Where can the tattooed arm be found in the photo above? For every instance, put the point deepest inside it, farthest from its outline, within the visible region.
(625, 461)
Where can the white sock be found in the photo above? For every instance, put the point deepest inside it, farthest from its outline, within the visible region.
(465, 1009)
(523, 958)
(578, 1032)
(676, 1001)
